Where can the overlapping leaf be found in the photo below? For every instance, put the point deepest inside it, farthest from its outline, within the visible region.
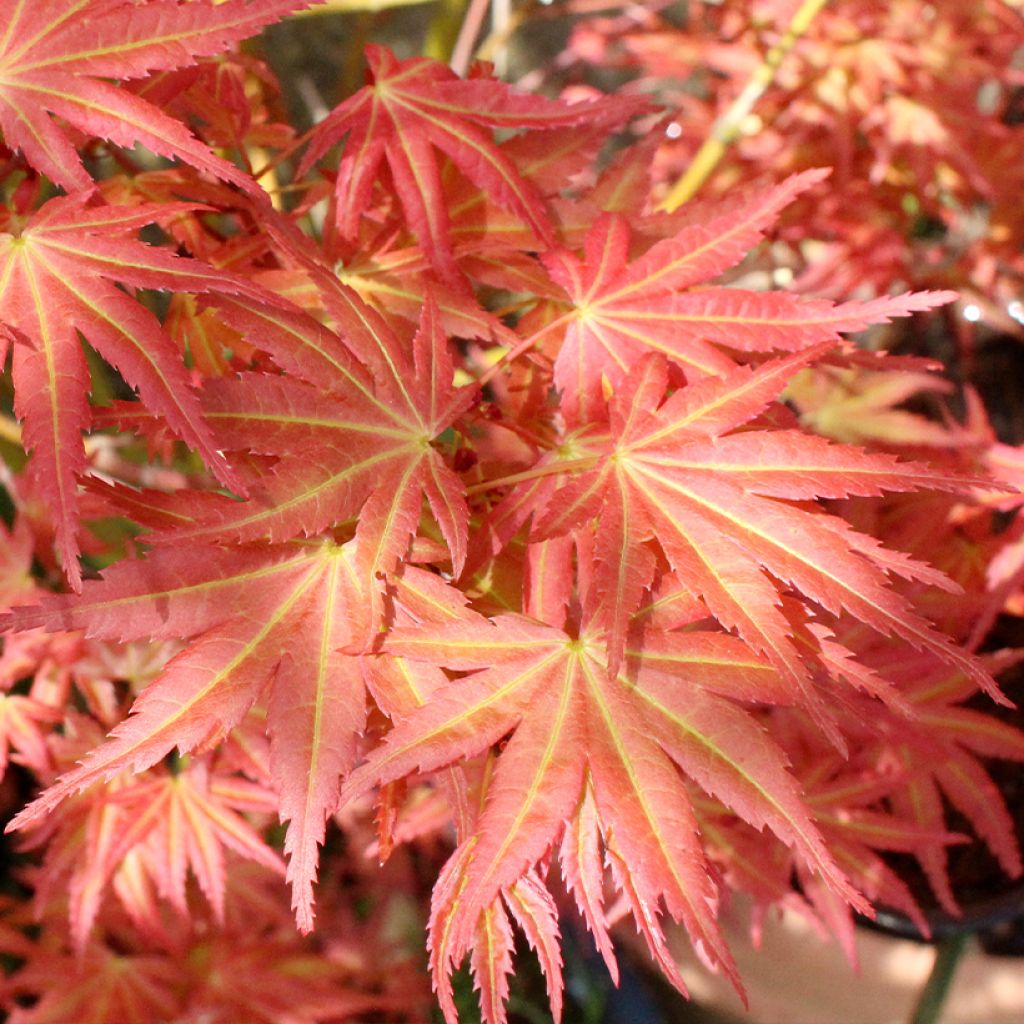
(143, 837)
(59, 273)
(942, 748)
(719, 502)
(254, 614)
(854, 831)
(418, 106)
(56, 57)
(492, 944)
(579, 733)
(623, 308)
(666, 478)
(348, 447)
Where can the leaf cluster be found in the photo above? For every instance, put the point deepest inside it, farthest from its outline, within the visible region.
(458, 508)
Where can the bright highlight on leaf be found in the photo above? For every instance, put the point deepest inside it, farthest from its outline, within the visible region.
(56, 57)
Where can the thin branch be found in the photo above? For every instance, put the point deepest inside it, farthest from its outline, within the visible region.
(498, 38)
(524, 346)
(462, 52)
(727, 127)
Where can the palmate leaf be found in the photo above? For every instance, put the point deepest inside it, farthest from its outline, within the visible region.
(943, 748)
(578, 734)
(623, 308)
(348, 448)
(101, 985)
(56, 57)
(415, 107)
(854, 832)
(254, 615)
(142, 837)
(721, 504)
(492, 944)
(59, 273)
(188, 821)
(25, 723)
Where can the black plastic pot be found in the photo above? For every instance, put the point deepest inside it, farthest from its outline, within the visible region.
(998, 923)
(992, 903)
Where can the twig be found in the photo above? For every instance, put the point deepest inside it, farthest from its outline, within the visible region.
(462, 52)
(498, 38)
(501, 19)
(727, 127)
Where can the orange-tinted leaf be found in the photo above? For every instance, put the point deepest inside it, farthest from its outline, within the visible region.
(412, 109)
(254, 615)
(56, 57)
(574, 728)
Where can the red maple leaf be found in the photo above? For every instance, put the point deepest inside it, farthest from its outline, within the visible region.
(942, 748)
(623, 307)
(411, 109)
(579, 733)
(56, 57)
(728, 508)
(350, 447)
(141, 836)
(254, 615)
(59, 272)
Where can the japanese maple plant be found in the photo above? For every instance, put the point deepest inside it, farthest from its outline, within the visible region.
(419, 492)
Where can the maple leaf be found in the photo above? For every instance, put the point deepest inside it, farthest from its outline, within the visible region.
(244, 609)
(414, 107)
(24, 725)
(843, 802)
(361, 978)
(860, 406)
(941, 749)
(579, 732)
(623, 308)
(187, 819)
(142, 835)
(395, 282)
(97, 987)
(651, 515)
(721, 504)
(852, 804)
(492, 944)
(55, 57)
(59, 273)
(348, 448)
(482, 230)
(195, 973)
(222, 96)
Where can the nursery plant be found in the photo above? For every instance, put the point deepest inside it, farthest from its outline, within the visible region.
(440, 500)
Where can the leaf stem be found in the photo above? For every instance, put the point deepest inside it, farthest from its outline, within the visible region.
(727, 127)
(936, 988)
(535, 473)
(270, 167)
(524, 346)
